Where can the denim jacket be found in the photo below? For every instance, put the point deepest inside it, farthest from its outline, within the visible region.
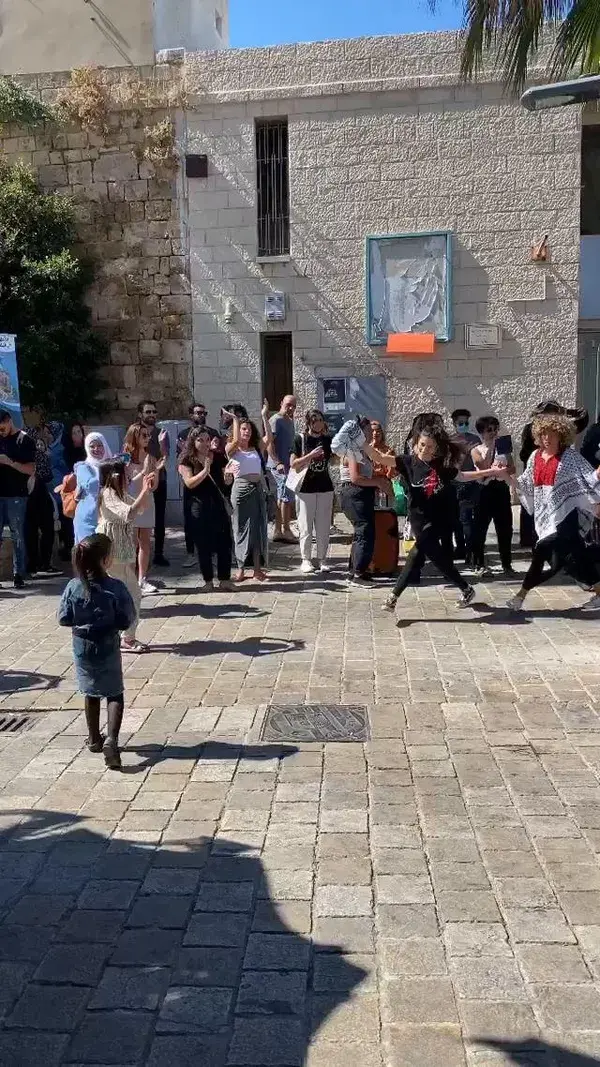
(107, 608)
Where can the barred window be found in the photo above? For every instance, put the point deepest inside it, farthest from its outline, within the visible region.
(272, 179)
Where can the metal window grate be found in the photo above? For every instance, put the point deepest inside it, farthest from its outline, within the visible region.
(272, 180)
(17, 723)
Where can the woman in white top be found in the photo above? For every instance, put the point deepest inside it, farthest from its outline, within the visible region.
(137, 440)
(247, 452)
(117, 512)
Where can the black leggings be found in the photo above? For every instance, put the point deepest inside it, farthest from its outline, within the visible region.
(430, 544)
(358, 505)
(566, 551)
(115, 706)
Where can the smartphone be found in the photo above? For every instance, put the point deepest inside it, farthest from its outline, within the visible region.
(504, 445)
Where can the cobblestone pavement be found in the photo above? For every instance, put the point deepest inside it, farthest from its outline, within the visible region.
(430, 898)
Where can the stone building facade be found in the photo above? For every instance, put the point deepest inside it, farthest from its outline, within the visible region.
(382, 139)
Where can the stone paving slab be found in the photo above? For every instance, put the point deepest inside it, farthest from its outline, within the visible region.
(429, 898)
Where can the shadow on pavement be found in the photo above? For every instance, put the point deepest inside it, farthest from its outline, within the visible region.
(205, 611)
(22, 681)
(114, 951)
(205, 750)
(539, 1053)
(249, 646)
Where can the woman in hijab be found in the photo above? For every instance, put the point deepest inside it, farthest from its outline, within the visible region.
(88, 485)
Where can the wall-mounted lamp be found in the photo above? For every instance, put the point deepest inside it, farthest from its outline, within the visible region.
(228, 312)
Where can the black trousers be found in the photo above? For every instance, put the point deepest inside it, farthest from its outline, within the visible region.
(358, 505)
(211, 531)
(566, 551)
(527, 534)
(494, 506)
(429, 545)
(468, 497)
(39, 528)
(160, 505)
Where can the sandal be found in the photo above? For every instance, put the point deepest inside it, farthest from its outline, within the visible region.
(136, 647)
(240, 577)
(112, 756)
(95, 746)
(261, 576)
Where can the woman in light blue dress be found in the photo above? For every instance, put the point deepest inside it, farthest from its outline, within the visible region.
(88, 485)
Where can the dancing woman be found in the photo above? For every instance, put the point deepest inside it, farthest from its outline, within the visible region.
(247, 453)
(556, 484)
(428, 473)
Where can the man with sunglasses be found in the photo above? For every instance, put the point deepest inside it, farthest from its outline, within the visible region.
(158, 447)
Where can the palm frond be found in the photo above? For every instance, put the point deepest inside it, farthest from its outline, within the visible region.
(578, 43)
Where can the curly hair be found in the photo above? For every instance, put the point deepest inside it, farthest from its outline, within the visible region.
(558, 424)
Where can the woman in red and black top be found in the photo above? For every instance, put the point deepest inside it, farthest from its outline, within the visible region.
(428, 472)
(556, 485)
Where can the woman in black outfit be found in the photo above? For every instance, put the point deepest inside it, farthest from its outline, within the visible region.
(201, 470)
(428, 473)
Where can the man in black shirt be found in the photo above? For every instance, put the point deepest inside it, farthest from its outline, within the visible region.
(158, 447)
(17, 465)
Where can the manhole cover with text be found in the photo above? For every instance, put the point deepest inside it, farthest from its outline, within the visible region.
(316, 722)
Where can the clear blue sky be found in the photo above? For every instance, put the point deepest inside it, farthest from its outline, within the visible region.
(253, 23)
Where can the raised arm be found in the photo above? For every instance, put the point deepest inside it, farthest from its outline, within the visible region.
(384, 459)
(268, 439)
(233, 445)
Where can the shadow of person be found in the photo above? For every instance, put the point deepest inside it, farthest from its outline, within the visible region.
(249, 646)
(539, 1053)
(156, 753)
(167, 954)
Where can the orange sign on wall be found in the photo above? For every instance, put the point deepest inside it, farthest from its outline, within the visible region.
(410, 344)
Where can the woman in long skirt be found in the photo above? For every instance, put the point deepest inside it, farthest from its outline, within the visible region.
(247, 454)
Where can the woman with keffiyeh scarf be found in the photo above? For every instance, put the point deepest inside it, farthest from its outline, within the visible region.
(556, 485)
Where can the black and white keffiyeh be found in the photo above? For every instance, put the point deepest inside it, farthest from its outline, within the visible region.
(575, 487)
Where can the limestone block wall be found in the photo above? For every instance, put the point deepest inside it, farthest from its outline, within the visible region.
(132, 227)
(383, 139)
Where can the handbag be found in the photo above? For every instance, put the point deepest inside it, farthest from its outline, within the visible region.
(67, 490)
(295, 478)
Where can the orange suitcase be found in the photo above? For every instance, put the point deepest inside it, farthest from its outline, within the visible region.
(387, 543)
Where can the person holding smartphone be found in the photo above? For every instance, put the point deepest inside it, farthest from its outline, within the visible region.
(494, 502)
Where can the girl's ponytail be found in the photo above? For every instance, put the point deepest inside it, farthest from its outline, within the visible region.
(89, 559)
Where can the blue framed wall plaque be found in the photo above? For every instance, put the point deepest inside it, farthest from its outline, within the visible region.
(408, 282)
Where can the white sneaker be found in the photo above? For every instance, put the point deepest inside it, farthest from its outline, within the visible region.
(207, 587)
(147, 589)
(189, 563)
(306, 567)
(324, 568)
(389, 604)
(593, 604)
(516, 603)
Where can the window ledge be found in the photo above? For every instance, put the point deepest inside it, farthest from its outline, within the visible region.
(274, 259)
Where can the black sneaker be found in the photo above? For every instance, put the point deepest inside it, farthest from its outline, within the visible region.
(49, 572)
(19, 581)
(361, 579)
(161, 561)
(466, 598)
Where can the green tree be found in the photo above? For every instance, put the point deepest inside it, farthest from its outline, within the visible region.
(42, 299)
(514, 28)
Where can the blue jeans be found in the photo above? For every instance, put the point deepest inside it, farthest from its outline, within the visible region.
(12, 514)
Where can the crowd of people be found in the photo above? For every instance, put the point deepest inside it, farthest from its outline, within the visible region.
(451, 482)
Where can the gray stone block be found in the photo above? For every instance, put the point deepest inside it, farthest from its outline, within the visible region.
(188, 1050)
(276, 952)
(272, 993)
(32, 1050)
(222, 929)
(224, 896)
(111, 1037)
(189, 1009)
(49, 1007)
(109, 895)
(102, 927)
(79, 964)
(38, 910)
(166, 912)
(418, 1001)
(267, 1042)
(208, 967)
(147, 948)
(131, 989)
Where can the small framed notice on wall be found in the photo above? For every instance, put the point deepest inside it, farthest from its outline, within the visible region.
(483, 335)
(275, 307)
